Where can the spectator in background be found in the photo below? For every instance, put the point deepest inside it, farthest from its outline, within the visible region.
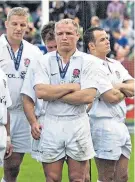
(2, 20)
(95, 21)
(115, 13)
(127, 30)
(30, 19)
(71, 9)
(121, 45)
(57, 9)
(36, 16)
(7, 8)
(101, 9)
(129, 10)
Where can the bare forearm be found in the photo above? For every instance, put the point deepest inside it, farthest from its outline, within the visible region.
(54, 92)
(127, 88)
(8, 124)
(89, 107)
(28, 106)
(80, 97)
(113, 96)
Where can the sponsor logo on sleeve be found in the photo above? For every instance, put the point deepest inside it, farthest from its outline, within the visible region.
(4, 81)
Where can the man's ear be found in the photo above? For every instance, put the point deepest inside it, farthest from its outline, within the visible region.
(91, 46)
(6, 24)
(78, 36)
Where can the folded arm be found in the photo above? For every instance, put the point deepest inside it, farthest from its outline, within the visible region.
(53, 92)
(127, 88)
(85, 96)
(89, 107)
(113, 96)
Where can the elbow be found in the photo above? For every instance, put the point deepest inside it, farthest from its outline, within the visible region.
(39, 94)
(114, 100)
(43, 95)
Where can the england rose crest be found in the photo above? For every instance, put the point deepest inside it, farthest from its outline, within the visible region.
(26, 62)
(76, 73)
(117, 74)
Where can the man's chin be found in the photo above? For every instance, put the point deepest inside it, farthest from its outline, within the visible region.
(65, 49)
(18, 38)
(108, 51)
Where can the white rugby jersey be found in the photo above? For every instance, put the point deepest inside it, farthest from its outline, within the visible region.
(117, 74)
(15, 77)
(5, 100)
(84, 69)
(28, 90)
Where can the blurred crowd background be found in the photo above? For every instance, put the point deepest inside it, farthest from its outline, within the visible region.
(116, 17)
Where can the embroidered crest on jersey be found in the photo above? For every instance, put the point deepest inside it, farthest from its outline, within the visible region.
(76, 73)
(117, 74)
(26, 62)
(4, 83)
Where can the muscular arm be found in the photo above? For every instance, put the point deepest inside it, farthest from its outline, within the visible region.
(89, 107)
(113, 96)
(127, 88)
(9, 148)
(85, 96)
(28, 106)
(8, 124)
(53, 92)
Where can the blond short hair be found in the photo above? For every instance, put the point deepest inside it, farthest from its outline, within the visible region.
(19, 11)
(68, 21)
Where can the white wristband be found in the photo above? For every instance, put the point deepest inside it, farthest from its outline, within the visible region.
(8, 139)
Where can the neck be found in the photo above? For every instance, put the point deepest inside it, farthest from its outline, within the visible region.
(66, 55)
(101, 56)
(15, 44)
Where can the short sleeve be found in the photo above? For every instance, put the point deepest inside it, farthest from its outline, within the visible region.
(7, 94)
(94, 75)
(27, 87)
(42, 71)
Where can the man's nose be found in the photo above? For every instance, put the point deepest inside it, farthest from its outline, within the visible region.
(18, 27)
(64, 36)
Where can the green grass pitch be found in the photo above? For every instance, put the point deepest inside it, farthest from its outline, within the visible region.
(31, 170)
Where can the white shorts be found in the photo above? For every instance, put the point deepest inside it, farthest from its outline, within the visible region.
(3, 143)
(110, 139)
(63, 136)
(20, 132)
